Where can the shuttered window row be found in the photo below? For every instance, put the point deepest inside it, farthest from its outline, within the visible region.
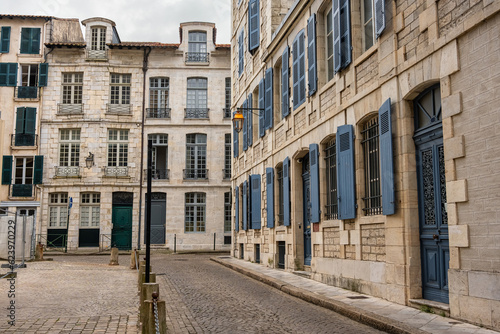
(8, 74)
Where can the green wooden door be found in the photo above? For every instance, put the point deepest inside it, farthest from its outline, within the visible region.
(121, 235)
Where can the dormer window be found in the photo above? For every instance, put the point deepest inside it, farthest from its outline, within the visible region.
(197, 47)
(98, 43)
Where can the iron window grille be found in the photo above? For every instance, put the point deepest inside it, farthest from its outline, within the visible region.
(227, 156)
(331, 180)
(227, 212)
(370, 144)
(197, 47)
(227, 107)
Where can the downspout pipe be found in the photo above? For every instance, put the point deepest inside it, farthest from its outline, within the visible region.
(147, 51)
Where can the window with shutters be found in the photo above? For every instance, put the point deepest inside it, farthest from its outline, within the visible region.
(28, 82)
(117, 148)
(299, 70)
(227, 156)
(279, 188)
(8, 74)
(90, 210)
(253, 25)
(58, 210)
(159, 156)
(25, 127)
(341, 18)
(227, 105)
(367, 21)
(227, 212)
(30, 41)
(158, 98)
(69, 147)
(195, 212)
(196, 157)
(24, 170)
(5, 39)
(277, 83)
(371, 159)
(329, 45)
(241, 52)
(331, 179)
(196, 104)
(197, 47)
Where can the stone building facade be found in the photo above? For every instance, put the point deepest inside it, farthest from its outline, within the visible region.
(368, 159)
(104, 101)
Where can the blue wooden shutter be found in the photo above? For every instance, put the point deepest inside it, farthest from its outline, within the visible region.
(346, 172)
(7, 169)
(270, 196)
(253, 25)
(314, 170)
(336, 35)
(241, 53)
(379, 16)
(299, 70)
(285, 84)
(261, 107)
(386, 158)
(245, 125)
(235, 142)
(236, 209)
(5, 40)
(255, 182)
(286, 191)
(8, 74)
(250, 120)
(311, 55)
(38, 173)
(43, 73)
(295, 70)
(268, 99)
(345, 38)
(244, 212)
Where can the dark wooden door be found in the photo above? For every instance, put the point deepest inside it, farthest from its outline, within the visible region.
(121, 235)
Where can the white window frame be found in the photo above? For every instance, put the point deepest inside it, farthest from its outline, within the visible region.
(30, 68)
(58, 210)
(198, 207)
(98, 38)
(72, 88)
(366, 22)
(69, 138)
(117, 148)
(90, 210)
(25, 169)
(120, 87)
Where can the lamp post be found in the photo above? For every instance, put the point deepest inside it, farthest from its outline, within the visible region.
(238, 118)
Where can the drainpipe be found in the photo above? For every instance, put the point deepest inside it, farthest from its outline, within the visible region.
(147, 51)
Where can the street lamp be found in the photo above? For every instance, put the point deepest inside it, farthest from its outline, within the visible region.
(89, 161)
(238, 117)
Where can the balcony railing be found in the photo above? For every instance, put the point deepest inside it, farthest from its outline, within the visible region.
(24, 139)
(196, 174)
(125, 109)
(63, 108)
(158, 174)
(97, 54)
(116, 171)
(157, 112)
(26, 92)
(196, 113)
(227, 112)
(226, 173)
(68, 171)
(21, 190)
(197, 57)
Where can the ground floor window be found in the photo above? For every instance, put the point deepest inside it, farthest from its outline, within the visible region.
(90, 210)
(58, 209)
(195, 212)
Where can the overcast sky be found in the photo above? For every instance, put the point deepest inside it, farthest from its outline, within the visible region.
(136, 21)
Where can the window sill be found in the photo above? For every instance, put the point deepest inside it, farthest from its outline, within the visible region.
(367, 54)
(29, 55)
(23, 148)
(375, 219)
(193, 63)
(330, 223)
(20, 99)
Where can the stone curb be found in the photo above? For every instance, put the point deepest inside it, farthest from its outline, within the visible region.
(368, 318)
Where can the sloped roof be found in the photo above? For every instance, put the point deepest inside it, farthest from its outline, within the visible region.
(156, 45)
(13, 16)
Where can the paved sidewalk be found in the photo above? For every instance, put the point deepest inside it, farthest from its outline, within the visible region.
(377, 312)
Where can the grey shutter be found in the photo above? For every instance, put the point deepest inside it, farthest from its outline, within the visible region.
(286, 191)
(379, 16)
(7, 169)
(38, 172)
(8, 74)
(256, 202)
(314, 172)
(345, 38)
(270, 196)
(5, 40)
(336, 35)
(299, 71)
(268, 99)
(241, 53)
(236, 209)
(311, 55)
(235, 142)
(244, 211)
(386, 158)
(253, 25)
(250, 120)
(245, 125)
(295, 72)
(285, 83)
(43, 73)
(346, 173)
(261, 107)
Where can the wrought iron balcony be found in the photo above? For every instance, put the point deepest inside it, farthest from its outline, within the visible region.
(196, 174)
(116, 171)
(68, 171)
(158, 174)
(125, 109)
(24, 139)
(26, 92)
(196, 113)
(63, 108)
(97, 54)
(227, 112)
(197, 57)
(158, 112)
(226, 173)
(21, 190)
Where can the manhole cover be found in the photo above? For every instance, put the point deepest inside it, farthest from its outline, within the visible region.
(357, 297)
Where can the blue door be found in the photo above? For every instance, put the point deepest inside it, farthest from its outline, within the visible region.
(306, 186)
(433, 218)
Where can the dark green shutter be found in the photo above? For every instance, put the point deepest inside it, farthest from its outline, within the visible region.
(253, 25)
(236, 209)
(20, 120)
(245, 125)
(43, 73)
(25, 40)
(346, 190)
(379, 16)
(270, 196)
(38, 174)
(311, 55)
(386, 158)
(30, 119)
(245, 205)
(8, 74)
(268, 99)
(285, 84)
(255, 193)
(286, 191)
(35, 41)
(250, 119)
(235, 142)
(314, 172)
(261, 107)
(5, 40)
(7, 169)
